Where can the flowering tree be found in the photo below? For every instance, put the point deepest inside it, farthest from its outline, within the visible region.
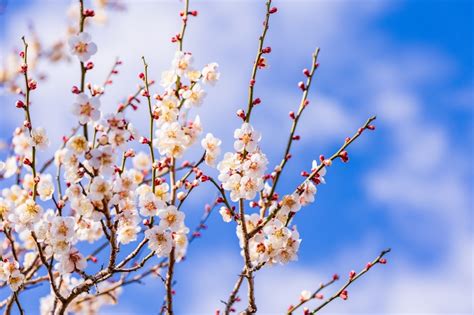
(109, 195)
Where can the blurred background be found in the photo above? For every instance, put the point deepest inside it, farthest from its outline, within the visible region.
(407, 186)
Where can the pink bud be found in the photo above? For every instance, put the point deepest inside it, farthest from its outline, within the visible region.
(23, 68)
(144, 140)
(301, 85)
(266, 50)
(256, 101)
(19, 104)
(241, 114)
(343, 295)
(273, 10)
(335, 277)
(89, 13)
(75, 90)
(352, 274)
(383, 261)
(371, 127)
(306, 72)
(141, 75)
(32, 84)
(344, 156)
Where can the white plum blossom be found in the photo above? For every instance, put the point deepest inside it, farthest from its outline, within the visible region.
(127, 233)
(182, 62)
(246, 138)
(71, 260)
(22, 144)
(320, 174)
(193, 96)
(290, 203)
(62, 228)
(82, 46)
(86, 108)
(16, 279)
(212, 147)
(25, 215)
(9, 167)
(142, 161)
(39, 138)
(103, 159)
(171, 218)
(168, 78)
(171, 140)
(159, 240)
(45, 187)
(150, 204)
(99, 189)
(210, 73)
(308, 192)
(226, 214)
(78, 144)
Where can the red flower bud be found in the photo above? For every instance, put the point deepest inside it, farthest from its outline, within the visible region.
(297, 137)
(19, 104)
(292, 115)
(241, 114)
(273, 10)
(335, 277)
(343, 295)
(371, 127)
(89, 13)
(75, 90)
(23, 68)
(90, 65)
(344, 156)
(383, 261)
(141, 75)
(301, 85)
(352, 274)
(266, 50)
(32, 84)
(256, 101)
(306, 72)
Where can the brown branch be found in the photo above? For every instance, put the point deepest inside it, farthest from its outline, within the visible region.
(233, 295)
(313, 296)
(302, 106)
(312, 175)
(253, 76)
(352, 279)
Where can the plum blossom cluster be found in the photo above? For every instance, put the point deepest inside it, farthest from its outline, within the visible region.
(109, 206)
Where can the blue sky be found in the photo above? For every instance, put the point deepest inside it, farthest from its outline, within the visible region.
(408, 185)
